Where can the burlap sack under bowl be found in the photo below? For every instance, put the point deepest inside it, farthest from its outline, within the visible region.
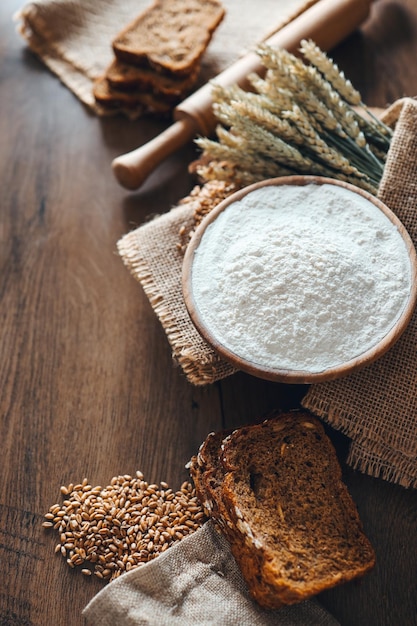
(280, 351)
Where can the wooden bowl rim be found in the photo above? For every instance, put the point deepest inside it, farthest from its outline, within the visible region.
(287, 375)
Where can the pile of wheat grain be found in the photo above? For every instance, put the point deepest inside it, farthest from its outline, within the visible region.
(111, 530)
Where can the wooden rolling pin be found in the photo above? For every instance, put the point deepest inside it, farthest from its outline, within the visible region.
(327, 23)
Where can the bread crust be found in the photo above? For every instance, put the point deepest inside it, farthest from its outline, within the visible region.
(126, 77)
(139, 101)
(170, 36)
(279, 499)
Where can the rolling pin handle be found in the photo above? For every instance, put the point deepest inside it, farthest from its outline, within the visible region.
(133, 168)
(327, 22)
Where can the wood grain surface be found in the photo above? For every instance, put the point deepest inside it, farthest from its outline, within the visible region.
(88, 384)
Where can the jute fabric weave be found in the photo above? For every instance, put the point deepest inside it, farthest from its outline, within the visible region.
(377, 407)
(150, 252)
(195, 583)
(73, 37)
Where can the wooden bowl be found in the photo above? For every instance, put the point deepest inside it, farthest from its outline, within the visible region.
(296, 375)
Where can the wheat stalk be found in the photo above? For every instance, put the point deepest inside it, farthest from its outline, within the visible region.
(239, 172)
(284, 67)
(297, 73)
(333, 100)
(330, 71)
(257, 108)
(318, 146)
(339, 81)
(298, 118)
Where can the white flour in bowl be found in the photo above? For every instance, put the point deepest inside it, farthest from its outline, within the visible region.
(300, 277)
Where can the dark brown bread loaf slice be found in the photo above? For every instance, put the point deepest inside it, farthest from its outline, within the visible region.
(170, 36)
(127, 77)
(137, 101)
(207, 474)
(281, 503)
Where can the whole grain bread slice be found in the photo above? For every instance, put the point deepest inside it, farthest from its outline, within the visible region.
(140, 101)
(281, 503)
(170, 36)
(126, 77)
(207, 474)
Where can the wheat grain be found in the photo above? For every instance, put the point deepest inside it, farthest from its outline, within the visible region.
(330, 71)
(241, 172)
(276, 97)
(258, 107)
(100, 527)
(314, 142)
(341, 84)
(297, 119)
(285, 70)
(275, 125)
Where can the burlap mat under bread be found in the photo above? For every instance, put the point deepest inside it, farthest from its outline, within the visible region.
(73, 37)
(194, 583)
(377, 407)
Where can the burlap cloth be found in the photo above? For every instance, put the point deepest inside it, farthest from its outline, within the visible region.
(197, 581)
(73, 37)
(194, 583)
(377, 407)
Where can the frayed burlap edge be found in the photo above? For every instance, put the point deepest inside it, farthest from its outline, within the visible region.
(374, 456)
(144, 254)
(200, 364)
(391, 114)
(383, 462)
(78, 79)
(35, 24)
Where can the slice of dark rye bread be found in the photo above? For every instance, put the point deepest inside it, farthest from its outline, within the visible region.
(139, 101)
(275, 491)
(170, 36)
(125, 77)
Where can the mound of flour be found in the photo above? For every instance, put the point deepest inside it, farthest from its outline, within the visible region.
(300, 278)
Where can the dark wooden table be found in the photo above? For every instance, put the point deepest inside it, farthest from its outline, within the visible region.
(88, 385)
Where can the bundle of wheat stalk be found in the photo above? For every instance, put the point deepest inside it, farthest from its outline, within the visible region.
(303, 117)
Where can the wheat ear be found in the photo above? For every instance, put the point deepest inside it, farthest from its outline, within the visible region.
(337, 78)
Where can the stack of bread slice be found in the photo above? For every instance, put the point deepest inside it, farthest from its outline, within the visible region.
(157, 57)
(275, 490)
